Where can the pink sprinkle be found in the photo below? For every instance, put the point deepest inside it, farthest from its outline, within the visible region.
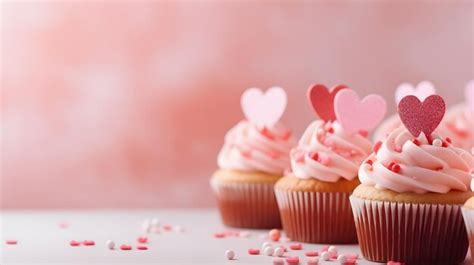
(311, 254)
(167, 227)
(293, 260)
(286, 135)
(219, 235)
(142, 248)
(142, 239)
(377, 146)
(312, 261)
(296, 246)
(273, 154)
(350, 261)
(88, 243)
(353, 256)
(254, 251)
(353, 152)
(265, 132)
(274, 234)
(364, 133)
(126, 247)
(416, 141)
(398, 149)
(74, 243)
(326, 160)
(11, 242)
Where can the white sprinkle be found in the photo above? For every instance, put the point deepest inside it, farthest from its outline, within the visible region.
(325, 255)
(269, 251)
(437, 142)
(341, 258)
(279, 252)
(146, 225)
(332, 250)
(155, 222)
(110, 244)
(229, 254)
(266, 244)
(312, 260)
(278, 261)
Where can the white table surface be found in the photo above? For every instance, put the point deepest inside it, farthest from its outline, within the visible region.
(41, 240)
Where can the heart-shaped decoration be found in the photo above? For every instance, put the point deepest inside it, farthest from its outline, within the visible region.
(322, 100)
(359, 115)
(420, 116)
(469, 93)
(421, 91)
(263, 109)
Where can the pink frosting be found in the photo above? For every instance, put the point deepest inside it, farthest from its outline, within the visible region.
(458, 124)
(422, 168)
(327, 153)
(248, 148)
(387, 126)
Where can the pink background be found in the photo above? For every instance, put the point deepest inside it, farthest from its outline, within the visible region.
(126, 105)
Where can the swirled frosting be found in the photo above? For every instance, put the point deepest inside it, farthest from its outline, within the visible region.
(407, 164)
(248, 148)
(458, 124)
(327, 153)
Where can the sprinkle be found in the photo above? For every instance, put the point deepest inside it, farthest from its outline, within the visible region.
(398, 149)
(314, 155)
(325, 255)
(155, 222)
(364, 133)
(279, 252)
(293, 260)
(326, 160)
(350, 261)
(445, 144)
(312, 261)
(146, 225)
(273, 154)
(286, 135)
(377, 146)
(229, 254)
(342, 258)
(88, 243)
(269, 251)
(416, 141)
(353, 152)
(353, 256)
(370, 162)
(265, 132)
(142, 239)
(219, 235)
(110, 244)
(126, 247)
(274, 234)
(11, 242)
(332, 250)
(393, 263)
(311, 254)
(437, 142)
(325, 248)
(254, 251)
(394, 167)
(296, 246)
(266, 244)
(74, 243)
(447, 139)
(142, 247)
(330, 130)
(278, 261)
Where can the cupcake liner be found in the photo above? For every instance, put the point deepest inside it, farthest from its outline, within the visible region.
(410, 233)
(317, 217)
(468, 215)
(247, 205)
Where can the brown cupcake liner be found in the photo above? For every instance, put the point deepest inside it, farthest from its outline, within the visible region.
(410, 233)
(317, 217)
(468, 215)
(247, 205)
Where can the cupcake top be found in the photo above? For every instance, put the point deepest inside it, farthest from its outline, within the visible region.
(260, 143)
(328, 153)
(414, 159)
(333, 147)
(459, 126)
(248, 148)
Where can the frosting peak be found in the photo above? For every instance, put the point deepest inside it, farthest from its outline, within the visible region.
(249, 148)
(327, 152)
(407, 164)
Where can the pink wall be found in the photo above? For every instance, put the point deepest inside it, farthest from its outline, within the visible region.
(126, 105)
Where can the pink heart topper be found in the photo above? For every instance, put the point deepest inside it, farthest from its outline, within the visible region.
(422, 91)
(322, 100)
(263, 109)
(359, 115)
(469, 93)
(420, 116)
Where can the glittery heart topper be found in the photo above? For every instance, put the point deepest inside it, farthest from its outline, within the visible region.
(342, 104)
(420, 116)
(263, 109)
(423, 90)
(469, 93)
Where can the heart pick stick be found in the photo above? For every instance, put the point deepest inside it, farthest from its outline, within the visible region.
(322, 100)
(420, 116)
(263, 109)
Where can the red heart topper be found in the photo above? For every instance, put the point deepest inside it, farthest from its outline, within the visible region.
(322, 100)
(420, 116)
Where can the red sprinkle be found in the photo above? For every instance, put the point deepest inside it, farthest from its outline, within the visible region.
(377, 146)
(364, 133)
(370, 162)
(445, 144)
(331, 130)
(219, 235)
(254, 251)
(293, 260)
(350, 261)
(314, 156)
(398, 149)
(448, 140)
(286, 136)
(142, 248)
(311, 254)
(11, 242)
(126, 247)
(74, 243)
(352, 256)
(274, 234)
(267, 133)
(296, 246)
(88, 243)
(416, 141)
(142, 239)
(395, 167)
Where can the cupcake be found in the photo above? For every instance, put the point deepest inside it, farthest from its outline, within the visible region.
(314, 197)
(459, 126)
(253, 158)
(468, 214)
(408, 206)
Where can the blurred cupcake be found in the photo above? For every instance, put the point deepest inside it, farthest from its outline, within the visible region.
(408, 207)
(468, 214)
(254, 156)
(314, 197)
(459, 126)
(423, 90)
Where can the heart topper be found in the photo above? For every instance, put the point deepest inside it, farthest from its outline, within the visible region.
(263, 109)
(358, 116)
(423, 90)
(469, 93)
(420, 116)
(321, 100)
